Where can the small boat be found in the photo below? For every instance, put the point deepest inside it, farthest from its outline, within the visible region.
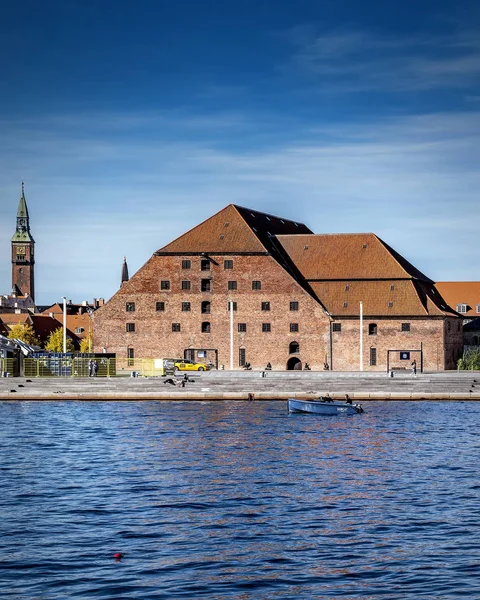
(324, 406)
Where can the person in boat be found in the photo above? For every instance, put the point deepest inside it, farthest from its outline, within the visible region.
(348, 400)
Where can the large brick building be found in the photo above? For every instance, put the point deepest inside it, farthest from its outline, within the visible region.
(297, 298)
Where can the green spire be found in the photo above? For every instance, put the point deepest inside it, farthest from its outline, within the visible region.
(22, 232)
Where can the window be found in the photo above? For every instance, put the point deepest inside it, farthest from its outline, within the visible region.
(232, 285)
(256, 285)
(241, 357)
(130, 356)
(206, 285)
(164, 285)
(185, 306)
(159, 306)
(392, 288)
(293, 327)
(205, 308)
(373, 357)
(294, 305)
(265, 305)
(185, 285)
(205, 327)
(347, 288)
(176, 327)
(130, 327)
(345, 304)
(20, 257)
(390, 304)
(405, 326)
(372, 329)
(266, 327)
(130, 306)
(478, 308)
(294, 348)
(186, 264)
(79, 329)
(337, 327)
(461, 308)
(205, 264)
(228, 264)
(234, 306)
(242, 327)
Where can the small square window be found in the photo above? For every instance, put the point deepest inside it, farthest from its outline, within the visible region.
(242, 327)
(130, 306)
(165, 284)
(205, 327)
(186, 264)
(461, 308)
(345, 305)
(175, 326)
(294, 305)
(265, 305)
(256, 285)
(234, 305)
(337, 327)
(79, 329)
(390, 304)
(405, 326)
(185, 285)
(228, 264)
(205, 264)
(266, 328)
(232, 285)
(185, 306)
(130, 327)
(160, 306)
(206, 285)
(293, 327)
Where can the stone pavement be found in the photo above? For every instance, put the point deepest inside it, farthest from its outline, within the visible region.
(250, 385)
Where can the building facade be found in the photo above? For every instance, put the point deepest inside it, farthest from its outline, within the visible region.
(247, 287)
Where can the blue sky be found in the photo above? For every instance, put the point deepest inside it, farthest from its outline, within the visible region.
(131, 122)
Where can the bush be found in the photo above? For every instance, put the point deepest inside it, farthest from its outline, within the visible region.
(470, 360)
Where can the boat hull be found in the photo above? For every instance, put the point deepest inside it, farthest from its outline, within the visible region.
(323, 407)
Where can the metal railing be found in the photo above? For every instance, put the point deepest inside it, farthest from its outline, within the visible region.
(8, 367)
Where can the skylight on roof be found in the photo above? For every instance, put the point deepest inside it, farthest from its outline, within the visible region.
(252, 215)
(268, 218)
(282, 221)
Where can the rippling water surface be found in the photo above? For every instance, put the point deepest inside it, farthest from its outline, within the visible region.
(238, 500)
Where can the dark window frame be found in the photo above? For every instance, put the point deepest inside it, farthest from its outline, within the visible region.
(256, 285)
(186, 264)
(186, 307)
(160, 306)
(186, 284)
(242, 328)
(294, 305)
(228, 264)
(265, 306)
(176, 327)
(130, 327)
(232, 285)
(129, 306)
(164, 285)
(266, 327)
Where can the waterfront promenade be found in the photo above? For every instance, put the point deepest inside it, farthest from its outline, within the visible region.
(250, 385)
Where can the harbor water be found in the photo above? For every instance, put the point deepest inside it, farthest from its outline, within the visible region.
(238, 500)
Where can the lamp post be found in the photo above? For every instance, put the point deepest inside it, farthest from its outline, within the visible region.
(361, 336)
(231, 335)
(64, 324)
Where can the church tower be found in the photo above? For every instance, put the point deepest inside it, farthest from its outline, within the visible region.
(23, 257)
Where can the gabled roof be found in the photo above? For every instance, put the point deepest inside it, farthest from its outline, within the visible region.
(234, 229)
(461, 292)
(347, 256)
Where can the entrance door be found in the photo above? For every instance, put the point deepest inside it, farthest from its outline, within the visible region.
(294, 364)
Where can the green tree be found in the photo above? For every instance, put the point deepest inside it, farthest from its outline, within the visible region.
(470, 360)
(86, 344)
(24, 333)
(55, 342)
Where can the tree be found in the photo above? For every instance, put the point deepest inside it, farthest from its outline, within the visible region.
(24, 333)
(55, 342)
(470, 360)
(86, 344)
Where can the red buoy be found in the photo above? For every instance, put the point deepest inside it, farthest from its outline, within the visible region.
(118, 556)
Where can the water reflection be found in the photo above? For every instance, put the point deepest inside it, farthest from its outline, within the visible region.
(238, 499)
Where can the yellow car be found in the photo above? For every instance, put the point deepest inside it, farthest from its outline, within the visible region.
(190, 365)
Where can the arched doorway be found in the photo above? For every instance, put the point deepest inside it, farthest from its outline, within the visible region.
(294, 364)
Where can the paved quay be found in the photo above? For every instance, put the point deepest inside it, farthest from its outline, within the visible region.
(250, 385)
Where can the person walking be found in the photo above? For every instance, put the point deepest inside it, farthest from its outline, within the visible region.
(414, 367)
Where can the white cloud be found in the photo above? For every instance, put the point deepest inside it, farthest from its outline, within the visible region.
(96, 192)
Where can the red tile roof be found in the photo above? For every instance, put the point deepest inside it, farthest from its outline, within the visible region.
(347, 256)
(461, 292)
